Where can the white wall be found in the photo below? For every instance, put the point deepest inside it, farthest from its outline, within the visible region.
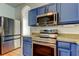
(25, 27)
(24, 16)
(7, 11)
(35, 5)
(31, 5)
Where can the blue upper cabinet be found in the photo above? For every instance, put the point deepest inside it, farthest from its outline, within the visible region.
(51, 8)
(32, 17)
(69, 13)
(41, 10)
(46, 8)
(78, 10)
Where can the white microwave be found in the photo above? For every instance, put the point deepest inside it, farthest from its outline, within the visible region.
(48, 19)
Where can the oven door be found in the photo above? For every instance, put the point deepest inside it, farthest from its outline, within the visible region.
(43, 49)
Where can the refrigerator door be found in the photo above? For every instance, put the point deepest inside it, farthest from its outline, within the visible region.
(11, 26)
(8, 26)
(17, 27)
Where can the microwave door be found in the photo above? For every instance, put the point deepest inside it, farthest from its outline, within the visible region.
(42, 21)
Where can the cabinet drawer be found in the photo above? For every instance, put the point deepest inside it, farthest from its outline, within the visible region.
(25, 43)
(65, 45)
(63, 52)
(27, 39)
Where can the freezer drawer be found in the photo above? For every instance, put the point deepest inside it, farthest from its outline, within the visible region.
(7, 46)
(17, 43)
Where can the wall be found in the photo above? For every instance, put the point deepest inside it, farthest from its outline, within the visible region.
(25, 27)
(31, 5)
(24, 16)
(7, 11)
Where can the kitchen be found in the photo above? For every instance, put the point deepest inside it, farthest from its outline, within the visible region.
(45, 29)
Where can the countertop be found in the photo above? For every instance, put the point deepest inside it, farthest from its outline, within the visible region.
(74, 38)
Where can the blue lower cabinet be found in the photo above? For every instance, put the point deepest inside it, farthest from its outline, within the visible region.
(27, 50)
(66, 48)
(63, 52)
(27, 46)
(73, 49)
(77, 50)
(64, 45)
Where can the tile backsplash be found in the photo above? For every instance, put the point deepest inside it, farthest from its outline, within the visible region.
(67, 29)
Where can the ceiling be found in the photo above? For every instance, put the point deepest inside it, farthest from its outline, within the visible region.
(15, 4)
(32, 5)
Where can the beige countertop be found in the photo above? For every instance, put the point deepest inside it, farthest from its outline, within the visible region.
(69, 38)
(64, 37)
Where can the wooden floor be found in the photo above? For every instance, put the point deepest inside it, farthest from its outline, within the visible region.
(16, 52)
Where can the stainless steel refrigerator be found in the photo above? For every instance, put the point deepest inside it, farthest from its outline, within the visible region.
(7, 36)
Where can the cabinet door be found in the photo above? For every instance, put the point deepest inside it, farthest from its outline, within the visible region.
(78, 10)
(68, 12)
(73, 49)
(63, 52)
(32, 17)
(65, 45)
(17, 27)
(27, 46)
(27, 49)
(41, 10)
(77, 51)
(51, 8)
